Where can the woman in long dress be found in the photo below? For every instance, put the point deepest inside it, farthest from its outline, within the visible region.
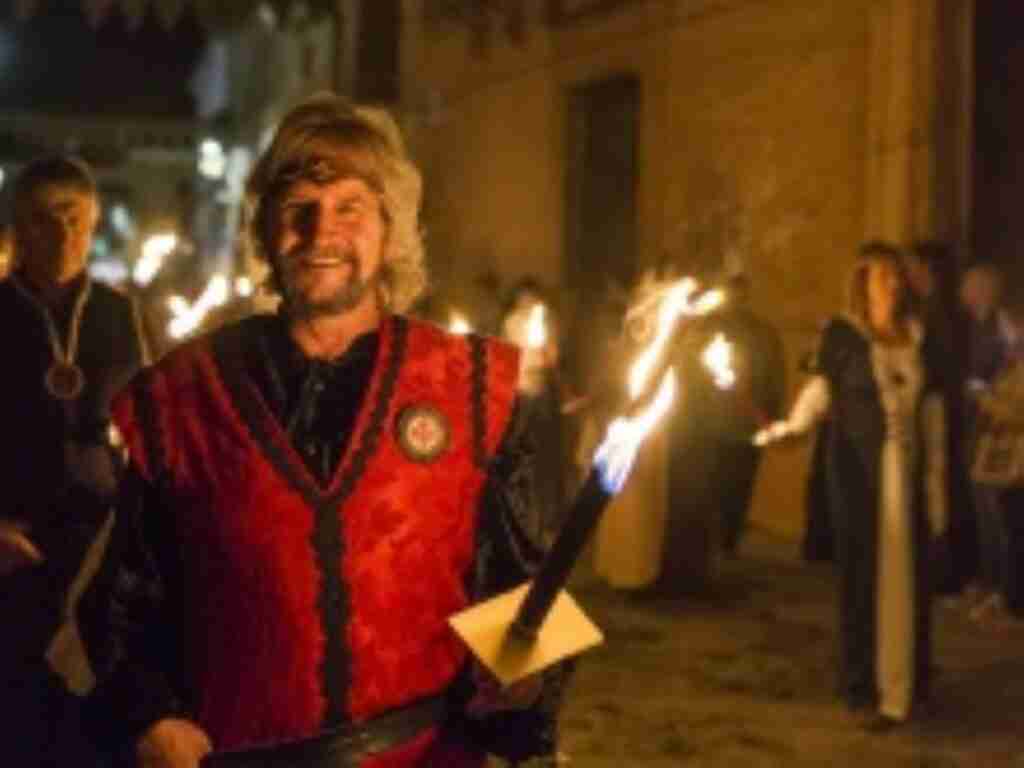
(885, 470)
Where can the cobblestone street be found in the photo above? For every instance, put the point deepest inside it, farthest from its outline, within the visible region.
(744, 676)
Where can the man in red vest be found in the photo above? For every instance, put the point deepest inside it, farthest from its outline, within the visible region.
(314, 492)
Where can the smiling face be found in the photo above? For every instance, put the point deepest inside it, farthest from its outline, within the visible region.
(326, 242)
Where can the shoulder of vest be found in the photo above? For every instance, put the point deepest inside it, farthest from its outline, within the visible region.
(432, 336)
(491, 370)
(146, 410)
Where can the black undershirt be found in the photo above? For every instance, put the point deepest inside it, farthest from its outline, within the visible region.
(316, 401)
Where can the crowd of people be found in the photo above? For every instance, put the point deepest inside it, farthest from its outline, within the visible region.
(915, 400)
(915, 396)
(246, 553)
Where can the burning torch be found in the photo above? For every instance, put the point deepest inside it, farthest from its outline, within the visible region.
(717, 358)
(527, 629)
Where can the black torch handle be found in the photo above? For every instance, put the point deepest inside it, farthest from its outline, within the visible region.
(557, 566)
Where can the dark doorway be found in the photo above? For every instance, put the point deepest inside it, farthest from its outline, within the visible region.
(377, 51)
(998, 215)
(601, 226)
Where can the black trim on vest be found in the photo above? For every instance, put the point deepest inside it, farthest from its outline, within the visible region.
(371, 435)
(478, 356)
(327, 539)
(330, 543)
(335, 672)
(229, 356)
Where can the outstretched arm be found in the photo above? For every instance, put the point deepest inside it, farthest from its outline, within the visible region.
(811, 406)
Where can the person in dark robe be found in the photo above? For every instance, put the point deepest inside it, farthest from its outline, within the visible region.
(934, 283)
(757, 397)
(712, 463)
(70, 343)
(886, 480)
(699, 428)
(313, 493)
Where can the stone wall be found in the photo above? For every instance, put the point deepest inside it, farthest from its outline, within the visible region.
(774, 136)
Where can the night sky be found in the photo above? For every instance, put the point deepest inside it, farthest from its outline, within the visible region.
(57, 63)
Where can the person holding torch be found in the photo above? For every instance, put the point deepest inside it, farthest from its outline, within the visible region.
(885, 469)
(314, 493)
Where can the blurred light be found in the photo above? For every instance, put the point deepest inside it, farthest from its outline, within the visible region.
(709, 301)
(182, 326)
(188, 318)
(717, 358)
(536, 328)
(212, 160)
(154, 251)
(458, 324)
(243, 286)
(217, 291)
(108, 271)
(178, 305)
(267, 15)
(122, 221)
(101, 247)
(3, 176)
(615, 455)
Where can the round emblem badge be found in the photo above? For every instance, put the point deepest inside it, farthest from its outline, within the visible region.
(423, 432)
(65, 381)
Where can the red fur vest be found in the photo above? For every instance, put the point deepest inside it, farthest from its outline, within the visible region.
(251, 520)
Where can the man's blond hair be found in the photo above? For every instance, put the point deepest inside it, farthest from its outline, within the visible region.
(327, 138)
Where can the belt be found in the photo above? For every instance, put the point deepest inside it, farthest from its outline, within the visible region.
(342, 747)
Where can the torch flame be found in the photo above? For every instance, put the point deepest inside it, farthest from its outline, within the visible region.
(615, 456)
(188, 317)
(178, 305)
(458, 324)
(674, 303)
(536, 328)
(709, 301)
(155, 250)
(717, 359)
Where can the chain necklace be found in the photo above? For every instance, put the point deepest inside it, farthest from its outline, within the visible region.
(64, 379)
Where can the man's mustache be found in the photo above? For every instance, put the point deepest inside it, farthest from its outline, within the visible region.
(329, 256)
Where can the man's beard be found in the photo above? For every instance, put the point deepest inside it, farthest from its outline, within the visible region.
(344, 298)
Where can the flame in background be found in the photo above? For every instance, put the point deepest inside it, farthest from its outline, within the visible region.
(244, 286)
(536, 327)
(709, 301)
(717, 358)
(155, 249)
(459, 324)
(682, 298)
(189, 317)
(672, 304)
